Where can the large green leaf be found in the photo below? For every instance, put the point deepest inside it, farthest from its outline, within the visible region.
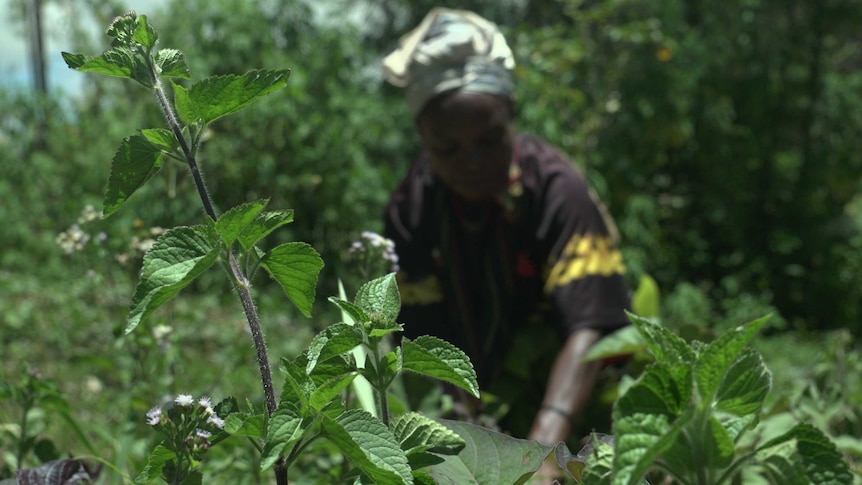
(217, 96)
(155, 463)
(718, 357)
(178, 257)
(230, 224)
(433, 357)
(380, 296)
(295, 267)
(488, 458)
(370, 446)
(135, 162)
(329, 389)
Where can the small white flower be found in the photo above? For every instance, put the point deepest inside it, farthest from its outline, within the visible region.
(202, 433)
(154, 416)
(206, 403)
(216, 421)
(184, 400)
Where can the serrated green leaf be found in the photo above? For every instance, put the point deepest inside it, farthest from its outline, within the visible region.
(716, 359)
(218, 96)
(178, 257)
(823, 464)
(334, 340)
(784, 468)
(161, 138)
(116, 62)
(488, 457)
(172, 63)
(433, 357)
(155, 463)
(380, 296)
(326, 391)
(295, 267)
(284, 429)
(263, 225)
(744, 387)
(353, 312)
(369, 445)
(230, 224)
(145, 34)
(418, 434)
(625, 341)
(661, 342)
(134, 163)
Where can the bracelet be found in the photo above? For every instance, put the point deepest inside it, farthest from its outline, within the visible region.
(567, 415)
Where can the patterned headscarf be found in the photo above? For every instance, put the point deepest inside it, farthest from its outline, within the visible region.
(450, 49)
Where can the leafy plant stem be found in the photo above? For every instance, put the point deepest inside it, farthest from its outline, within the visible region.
(22, 442)
(187, 151)
(381, 384)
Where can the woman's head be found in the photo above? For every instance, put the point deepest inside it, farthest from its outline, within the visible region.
(456, 69)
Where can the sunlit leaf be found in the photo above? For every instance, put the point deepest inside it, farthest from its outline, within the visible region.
(370, 446)
(380, 296)
(295, 267)
(178, 257)
(135, 162)
(230, 224)
(433, 357)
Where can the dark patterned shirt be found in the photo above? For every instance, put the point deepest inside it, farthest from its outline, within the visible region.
(543, 252)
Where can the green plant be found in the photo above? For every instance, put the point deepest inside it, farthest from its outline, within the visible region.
(686, 414)
(383, 447)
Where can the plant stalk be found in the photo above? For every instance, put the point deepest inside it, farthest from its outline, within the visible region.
(240, 281)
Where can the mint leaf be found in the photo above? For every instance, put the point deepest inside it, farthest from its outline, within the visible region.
(334, 340)
(172, 63)
(178, 257)
(418, 434)
(134, 163)
(283, 429)
(433, 357)
(217, 96)
(823, 463)
(262, 226)
(295, 267)
(369, 445)
(241, 424)
(488, 457)
(380, 296)
(714, 361)
(230, 224)
(186, 110)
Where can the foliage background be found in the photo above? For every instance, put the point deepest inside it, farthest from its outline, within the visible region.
(723, 136)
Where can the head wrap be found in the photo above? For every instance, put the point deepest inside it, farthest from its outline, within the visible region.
(450, 49)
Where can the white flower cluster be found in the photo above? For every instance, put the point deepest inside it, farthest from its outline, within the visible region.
(372, 245)
(76, 239)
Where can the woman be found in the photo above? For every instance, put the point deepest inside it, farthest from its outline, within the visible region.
(497, 234)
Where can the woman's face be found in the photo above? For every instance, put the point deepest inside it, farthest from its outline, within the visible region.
(469, 138)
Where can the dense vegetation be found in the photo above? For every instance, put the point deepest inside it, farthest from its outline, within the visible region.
(722, 135)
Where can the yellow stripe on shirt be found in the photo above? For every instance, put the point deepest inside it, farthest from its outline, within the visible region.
(585, 255)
